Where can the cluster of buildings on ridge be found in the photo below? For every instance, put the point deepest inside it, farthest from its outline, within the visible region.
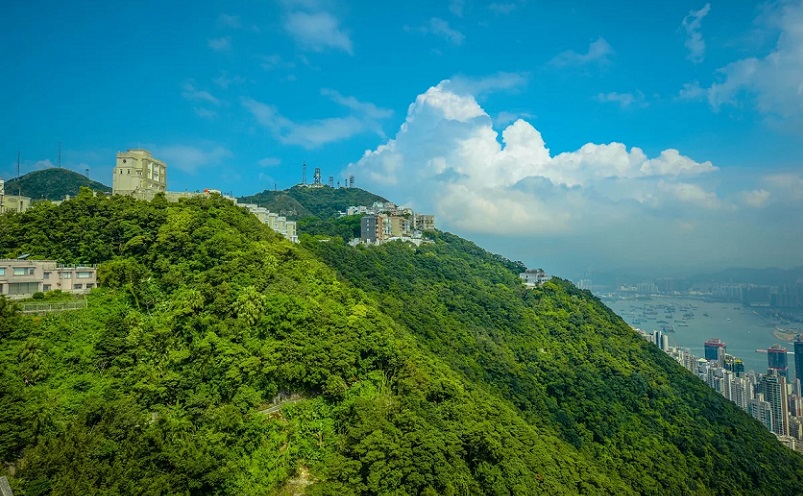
(385, 221)
(774, 399)
(136, 173)
(142, 176)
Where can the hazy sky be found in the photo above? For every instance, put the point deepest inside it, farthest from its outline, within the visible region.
(582, 135)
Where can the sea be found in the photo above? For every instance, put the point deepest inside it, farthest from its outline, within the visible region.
(691, 322)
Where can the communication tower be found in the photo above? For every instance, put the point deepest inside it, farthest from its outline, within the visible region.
(316, 178)
(351, 181)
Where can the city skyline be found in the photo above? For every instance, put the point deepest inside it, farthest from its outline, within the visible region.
(570, 137)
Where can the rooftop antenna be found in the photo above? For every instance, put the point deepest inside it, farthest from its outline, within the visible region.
(19, 183)
(87, 172)
(59, 154)
(275, 187)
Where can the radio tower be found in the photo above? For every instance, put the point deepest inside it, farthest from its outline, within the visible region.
(316, 177)
(304, 173)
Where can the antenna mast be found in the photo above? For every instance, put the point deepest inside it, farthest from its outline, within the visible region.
(59, 154)
(19, 183)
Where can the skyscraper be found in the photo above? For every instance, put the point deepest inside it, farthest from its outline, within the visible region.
(715, 350)
(799, 357)
(776, 360)
(773, 387)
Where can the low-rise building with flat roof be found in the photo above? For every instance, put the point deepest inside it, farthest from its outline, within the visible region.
(23, 278)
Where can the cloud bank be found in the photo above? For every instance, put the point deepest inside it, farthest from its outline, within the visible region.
(776, 80)
(604, 204)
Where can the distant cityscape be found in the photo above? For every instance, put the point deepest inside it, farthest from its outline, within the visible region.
(772, 398)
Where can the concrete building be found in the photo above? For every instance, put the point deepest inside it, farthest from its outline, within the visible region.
(12, 203)
(715, 350)
(798, 348)
(761, 410)
(773, 387)
(23, 278)
(777, 360)
(534, 277)
(422, 222)
(370, 229)
(137, 173)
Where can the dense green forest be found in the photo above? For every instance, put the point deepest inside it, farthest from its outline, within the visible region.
(52, 184)
(427, 370)
(299, 202)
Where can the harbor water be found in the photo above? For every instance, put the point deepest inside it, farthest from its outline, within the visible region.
(691, 322)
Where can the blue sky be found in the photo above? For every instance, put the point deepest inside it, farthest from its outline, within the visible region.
(571, 135)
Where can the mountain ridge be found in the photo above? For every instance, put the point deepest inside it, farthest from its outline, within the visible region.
(426, 370)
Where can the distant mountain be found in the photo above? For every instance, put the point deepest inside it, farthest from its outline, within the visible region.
(52, 184)
(299, 201)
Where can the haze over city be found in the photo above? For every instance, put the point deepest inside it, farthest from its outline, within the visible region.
(573, 137)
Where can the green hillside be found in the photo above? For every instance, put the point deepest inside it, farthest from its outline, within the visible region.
(399, 370)
(52, 184)
(299, 202)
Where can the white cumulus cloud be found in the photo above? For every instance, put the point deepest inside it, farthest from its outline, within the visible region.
(508, 186)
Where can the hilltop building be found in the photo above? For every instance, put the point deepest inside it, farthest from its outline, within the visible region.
(137, 173)
(380, 228)
(278, 223)
(23, 278)
(12, 203)
(535, 277)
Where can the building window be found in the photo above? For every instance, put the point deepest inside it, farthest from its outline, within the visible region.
(47, 275)
(89, 285)
(23, 271)
(65, 275)
(2, 271)
(45, 287)
(77, 286)
(83, 275)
